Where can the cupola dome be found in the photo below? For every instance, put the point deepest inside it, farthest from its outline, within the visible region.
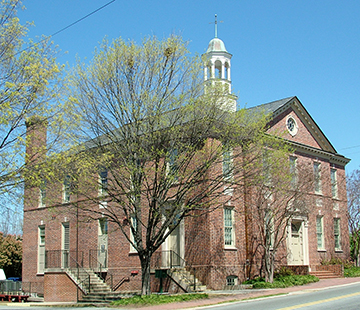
(216, 45)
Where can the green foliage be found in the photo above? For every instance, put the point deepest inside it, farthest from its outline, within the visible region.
(11, 255)
(338, 261)
(161, 135)
(153, 299)
(281, 281)
(352, 271)
(283, 271)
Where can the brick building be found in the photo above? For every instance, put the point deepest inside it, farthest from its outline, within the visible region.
(57, 244)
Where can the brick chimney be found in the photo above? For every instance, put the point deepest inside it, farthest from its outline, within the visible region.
(36, 132)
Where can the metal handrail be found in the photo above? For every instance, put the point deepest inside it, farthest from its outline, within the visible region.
(99, 267)
(68, 260)
(169, 259)
(63, 259)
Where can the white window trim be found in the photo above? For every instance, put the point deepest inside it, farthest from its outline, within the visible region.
(293, 171)
(42, 189)
(40, 244)
(228, 176)
(334, 185)
(232, 245)
(317, 178)
(132, 249)
(64, 191)
(322, 248)
(339, 234)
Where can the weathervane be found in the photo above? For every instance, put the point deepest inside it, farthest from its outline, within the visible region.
(216, 22)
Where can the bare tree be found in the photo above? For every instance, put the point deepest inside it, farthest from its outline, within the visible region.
(159, 148)
(353, 193)
(278, 194)
(30, 83)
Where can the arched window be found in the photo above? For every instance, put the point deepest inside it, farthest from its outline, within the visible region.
(218, 69)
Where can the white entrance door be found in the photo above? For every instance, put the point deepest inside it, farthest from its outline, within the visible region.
(65, 245)
(41, 250)
(173, 250)
(174, 246)
(296, 256)
(102, 242)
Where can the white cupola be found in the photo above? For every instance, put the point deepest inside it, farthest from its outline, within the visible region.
(217, 66)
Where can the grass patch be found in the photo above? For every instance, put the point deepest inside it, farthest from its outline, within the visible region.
(282, 281)
(352, 272)
(156, 299)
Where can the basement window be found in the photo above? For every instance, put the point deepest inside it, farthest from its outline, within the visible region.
(232, 280)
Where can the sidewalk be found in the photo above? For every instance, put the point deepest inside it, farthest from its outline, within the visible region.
(216, 297)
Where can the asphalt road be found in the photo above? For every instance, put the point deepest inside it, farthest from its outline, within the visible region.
(345, 297)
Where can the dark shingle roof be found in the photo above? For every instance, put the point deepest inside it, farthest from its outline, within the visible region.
(271, 107)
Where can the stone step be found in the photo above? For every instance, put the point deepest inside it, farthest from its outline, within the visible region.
(322, 274)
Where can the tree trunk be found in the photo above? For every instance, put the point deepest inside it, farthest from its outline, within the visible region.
(145, 274)
(269, 266)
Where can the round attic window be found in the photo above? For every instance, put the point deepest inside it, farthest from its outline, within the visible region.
(291, 126)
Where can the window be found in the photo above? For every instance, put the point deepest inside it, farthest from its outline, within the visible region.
(65, 244)
(134, 224)
(103, 179)
(334, 189)
(320, 232)
(232, 280)
(229, 235)
(337, 234)
(293, 172)
(172, 166)
(41, 249)
(227, 164)
(317, 178)
(42, 193)
(66, 189)
(103, 226)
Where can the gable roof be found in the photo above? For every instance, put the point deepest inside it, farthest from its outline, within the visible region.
(277, 107)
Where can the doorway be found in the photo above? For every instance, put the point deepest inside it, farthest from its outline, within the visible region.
(102, 256)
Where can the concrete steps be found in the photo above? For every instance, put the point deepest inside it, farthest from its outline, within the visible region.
(186, 280)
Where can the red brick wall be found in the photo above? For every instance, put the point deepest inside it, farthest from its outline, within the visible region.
(58, 287)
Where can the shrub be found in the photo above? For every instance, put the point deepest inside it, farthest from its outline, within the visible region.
(281, 281)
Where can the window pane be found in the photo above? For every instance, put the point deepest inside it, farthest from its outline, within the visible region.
(317, 178)
(228, 227)
(319, 232)
(333, 183)
(337, 233)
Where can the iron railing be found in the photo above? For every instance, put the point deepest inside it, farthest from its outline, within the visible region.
(10, 287)
(100, 268)
(167, 260)
(33, 288)
(63, 259)
(171, 260)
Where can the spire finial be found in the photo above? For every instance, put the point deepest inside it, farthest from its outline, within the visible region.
(215, 25)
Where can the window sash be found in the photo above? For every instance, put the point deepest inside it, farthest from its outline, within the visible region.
(333, 183)
(228, 227)
(103, 178)
(319, 232)
(317, 178)
(66, 189)
(337, 232)
(227, 164)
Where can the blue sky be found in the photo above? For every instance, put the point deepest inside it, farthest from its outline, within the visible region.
(280, 48)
